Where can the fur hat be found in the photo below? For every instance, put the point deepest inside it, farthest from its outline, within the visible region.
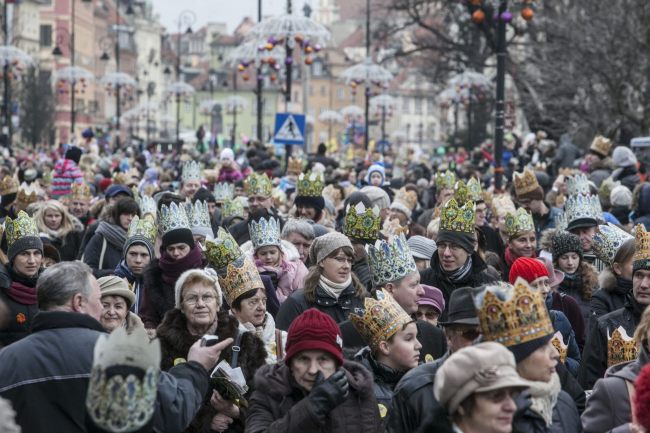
(207, 275)
(565, 242)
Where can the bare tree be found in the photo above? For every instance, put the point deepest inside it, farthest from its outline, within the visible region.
(37, 107)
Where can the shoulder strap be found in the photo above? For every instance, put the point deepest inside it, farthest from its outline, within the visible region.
(101, 255)
(279, 349)
(236, 348)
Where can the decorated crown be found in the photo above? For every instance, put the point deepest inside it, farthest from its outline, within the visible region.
(456, 218)
(560, 221)
(198, 214)
(558, 343)
(310, 184)
(519, 222)
(445, 180)
(361, 222)
(601, 145)
(264, 233)
(407, 197)
(26, 195)
(578, 184)
(607, 240)
(232, 208)
(224, 191)
(641, 257)
(191, 171)
(80, 191)
(333, 194)
(620, 347)
(294, 166)
(19, 228)
(382, 318)
(173, 217)
(475, 191)
(258, 184)
(223, 250)
(512, 315)
(9, 185)
(241, 277)
(144, 227)
(390, 260)
(524, 182)
(583, 207)
(147, 206)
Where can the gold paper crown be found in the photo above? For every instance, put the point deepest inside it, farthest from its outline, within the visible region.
(361, 222)
(19, 228)
(224, 191)
(145, 227)
(9, 185)
(475, 191)
(46, 179)
(525, 182)
(501, 203)
(241, 277)
(512, 315)
(148, 206)
(310, 184)
(578, 185)
(558, 343)
(80, 191)
(223, 250)
(407, 197)
(173, 217)
(232, 208)
(519, 222)
(382, 318)
(445, 180)
(26, 196)
(258, 185)
(456, 218)
(641, 257)
(191, 172)
(294, 166)
(620, 347)
(601, 145)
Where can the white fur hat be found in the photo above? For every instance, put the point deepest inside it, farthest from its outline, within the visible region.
(206, 274)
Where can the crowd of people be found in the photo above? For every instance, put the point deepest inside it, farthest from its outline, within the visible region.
(208, 290)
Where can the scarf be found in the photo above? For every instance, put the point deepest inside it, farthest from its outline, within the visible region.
(114, 234)
(623, 285)
(172, 269)
(544, 397)
(459, 274)
(122, 271)
(22, 289)
(572, 282)
(334, 289)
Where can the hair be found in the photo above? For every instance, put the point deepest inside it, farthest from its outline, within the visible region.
(317, 217)
(67, 221)
(236, 304)
(61, 282)
(433, 227)
(168, 198)
(125, 206)
(315, 272)
(302, 227)
(467, 407)
(625, 252)
(642, 329)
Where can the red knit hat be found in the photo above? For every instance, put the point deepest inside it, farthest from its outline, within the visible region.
(527, 268)
(642, 398)
(313, 330)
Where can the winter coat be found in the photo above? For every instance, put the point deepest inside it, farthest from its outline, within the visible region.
(176, 340)
(65, 173)
(101, 255)
(601, 171)
(561, 324)
(279, 405)
(608, 407)
(589, 283)
(628, 176)
(19, 316)
(385, 379)
(158, 297)
(230, 175)
(361, 269)
(642, 210)
(571, 310)
(274, 340)
(565, 416)
(545, 222)
(566, 155)
(609, 297)
(70, 244)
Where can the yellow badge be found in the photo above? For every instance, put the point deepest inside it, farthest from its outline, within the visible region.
(179, 361)
(382, 410)
(428, 358)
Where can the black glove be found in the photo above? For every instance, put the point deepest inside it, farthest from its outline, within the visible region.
(328, 394)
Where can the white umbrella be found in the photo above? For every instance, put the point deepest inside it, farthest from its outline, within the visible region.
(207, 105)
(115, 79)
(235, 102)
(383, 101)
(11, 55)
(180, 88)
(289, 26)
(470, 78)
(367, 72)
(254, 51)
(73, 74)
(352, 110)
(330, 116)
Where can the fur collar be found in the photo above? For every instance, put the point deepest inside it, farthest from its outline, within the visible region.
(589, 277)
(607, 280)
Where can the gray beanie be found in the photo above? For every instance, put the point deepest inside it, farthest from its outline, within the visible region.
(621, 196)
(377, 196)
(623, 157)
(421, 247)
(325, 245)
(24, 243)
(138, 240)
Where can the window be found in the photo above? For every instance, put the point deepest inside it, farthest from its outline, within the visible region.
(45, 35)
(317, 69)
(311, 90)
(431, 106)
(323, 90)
(418, 105)
(340, 93)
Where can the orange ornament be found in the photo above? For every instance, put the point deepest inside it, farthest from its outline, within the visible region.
(478, 16)
(527, 13)
(475, 2)
(20, 318)
(246, 77)
(309, 60)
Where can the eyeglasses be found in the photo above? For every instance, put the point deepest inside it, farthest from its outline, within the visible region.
(193, 299)
(442, 246)
(254, 302)
(342, 259)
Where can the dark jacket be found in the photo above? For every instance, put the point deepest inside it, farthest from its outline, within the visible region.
(45, 376)
(70, 245)
(628, 176)
(385, 378)
(362, 271)
(567, 153)
(642, 210)
(92, 256)
(19, 315)
(565, 416)
(279, 405)
(600, 171)
(610, 296)
(589, 282)
(561, 324)
(571, 310)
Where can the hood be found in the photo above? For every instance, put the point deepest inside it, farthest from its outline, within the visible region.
(643, 207)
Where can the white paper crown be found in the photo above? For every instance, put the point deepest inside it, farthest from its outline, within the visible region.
(198, 214)
(607, 241)
(264, 233)
(147, 206)
(583, 207)
(172, 218)
(578, 185)
(390, 260)
(191, 171)
(224, 191)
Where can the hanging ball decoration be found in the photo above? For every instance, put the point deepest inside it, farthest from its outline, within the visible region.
(276, 66)
(527, 13)
(309, 60)
(272, 40)
(273, 77)
(317, 48)
(299, 38)
(506, 16)
(309, 49)
(269, 46)
(478, 16)
(475, 2)
(288, 60)
(246, 77)
(241, 67)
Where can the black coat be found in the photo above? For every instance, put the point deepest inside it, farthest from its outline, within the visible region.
(362, 271)
(385, 378)
(610, 296)
(69, 246)
(92, 254)
(19, 316)
(565, 417)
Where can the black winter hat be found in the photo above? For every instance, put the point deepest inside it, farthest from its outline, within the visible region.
(564, 242)
(73, 153)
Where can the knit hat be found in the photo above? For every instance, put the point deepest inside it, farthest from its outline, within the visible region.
(642, 398)
(464, 240)
(227, 154)
(313, 330)
(421, 247)
(621, 196)
(433, 297)
(475, 369)
(527, 268)
(378, 197)
(564, 242)
(325, 245)
(73, 153)
(376, 168)
(207, 274)
(624, 157)
(112, 285)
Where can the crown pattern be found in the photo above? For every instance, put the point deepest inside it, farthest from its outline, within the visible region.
(512, 315)
(147, 206)
(143, 227)
(224, 191)
(558, 343)
(191, 171)
(475, 190)
(19, 228)
(9, 185)
(80, 191)
(607, 240)
(198, 214)
(389, 260)
(173, 217)
(578, 185)
(382, 318)
(27, 194)
(524, 182)
(310, 184)
(232, 208)
(583, 207)
(223, 250)
(601, 145)
(241, 277)
(294, 166)
(519, 222)
(641, 256)
(445, 180)
(258, 185)
(620, 347)
(406, 197)
(264, 232)
(561, 222)
(361, 222)
(455, 218)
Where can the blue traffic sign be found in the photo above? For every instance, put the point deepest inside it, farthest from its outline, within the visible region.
(289, 129)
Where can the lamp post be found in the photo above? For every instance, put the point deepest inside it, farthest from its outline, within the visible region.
(260, 87)
(186, 18)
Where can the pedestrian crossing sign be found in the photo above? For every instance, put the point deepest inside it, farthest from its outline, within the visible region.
(289, 129)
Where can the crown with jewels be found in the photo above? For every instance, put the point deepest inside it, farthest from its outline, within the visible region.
(9, 185)
(19, 228)
(560, 221)
(512, 315)
(361, 222)
(27, 194)
(123, 399)
(294, 166)
(222, 250)
(607, 240)
(264, 232)
(232, 208)
(381, 319)
(390, 260)
(583, 207)
(558, 343)
(445, 180)
(198, 214)
(172, 217)
(241, 277)
(455, 218)
(601, 145)
(147, 206)
(406, 197)
(224, 191)
(620, 347)
(578, 185)
(258, 185)
(191, 171)
(519, 222)
(144, 227)
(641, 256)
(525, 182)
(475, 190)
(310, 184)
(80, 191)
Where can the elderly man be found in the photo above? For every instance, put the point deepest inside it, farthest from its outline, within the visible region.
(45, 375)
(300, 234)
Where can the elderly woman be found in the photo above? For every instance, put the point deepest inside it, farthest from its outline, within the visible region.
(314, 389)
(117, 298)
(301, 234)
(198, 299)
(64, 231)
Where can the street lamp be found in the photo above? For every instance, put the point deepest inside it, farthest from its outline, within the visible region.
(383, 105)
(185, 19)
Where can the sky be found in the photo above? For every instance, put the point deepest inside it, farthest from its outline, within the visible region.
(229, 11)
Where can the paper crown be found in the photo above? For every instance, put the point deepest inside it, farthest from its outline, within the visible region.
(80, 191)
(445, 180)
(583, 207)
(147, 206)
(475, 190)
(455, 218)
(560, 221)
(258, 185)
(381, 319)
(333, 194)
(232, 208)
(264, 232)
(620, 347)
(173, 217)
(407, 198)
(9, 185)
(222, 250)
(19, 228)
(310, 184)
(361, 222)
(123, 399)
(601, 145)
(607, 240)
(241, 277)
(144, 227)
(524, 182)
(198, 214)
(558, 343)
(294, 166)
(578, 185)
(390, 260)
(502, 203)
(27, 194)
(512, 315)
(641, 256)
(519, 222)
(191, 171)
(224, 191)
